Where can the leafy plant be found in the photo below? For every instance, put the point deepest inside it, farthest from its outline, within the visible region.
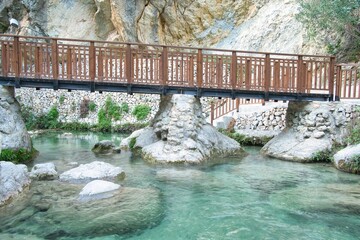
(132, 143)
(125, 107)
(18, 156)
(354, 164)
(52, 118)
(141, 111)
(323, 156)
(61, 99)
(92, 106)
(110, 111)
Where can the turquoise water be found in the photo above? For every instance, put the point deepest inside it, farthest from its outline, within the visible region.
(250, 198)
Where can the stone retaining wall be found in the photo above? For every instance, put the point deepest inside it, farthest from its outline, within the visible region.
(69, 110)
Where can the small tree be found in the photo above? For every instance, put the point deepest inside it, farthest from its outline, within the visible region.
(338, 18)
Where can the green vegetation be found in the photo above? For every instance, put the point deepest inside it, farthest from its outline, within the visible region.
(18, 156)
(141, 111)
(132, 143)
(354, 164)
(92, 106)
(125, 107)
(44, 121)
(111, 111)
(61, 99)
(337, 19)
(245, 140)
(323, 156)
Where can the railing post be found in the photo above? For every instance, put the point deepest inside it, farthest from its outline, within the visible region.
(300, 77)
(191, 71)
(4, 59)
(212, 109)
(55, 63)
(16, 57)
(233, 70)
(69, 63)
(100, 66)
(331, 78)
(338, 83)
(128, 64)
(267, 76)
(37, 62)
(199, 68)
(92, 61)
(165, 70)
(219, 76)
(237, 104)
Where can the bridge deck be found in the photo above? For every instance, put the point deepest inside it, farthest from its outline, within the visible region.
(73, 64)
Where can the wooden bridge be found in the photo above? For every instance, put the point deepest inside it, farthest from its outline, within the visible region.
(73, 64)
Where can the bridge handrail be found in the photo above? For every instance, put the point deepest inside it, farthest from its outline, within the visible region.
(169, 46)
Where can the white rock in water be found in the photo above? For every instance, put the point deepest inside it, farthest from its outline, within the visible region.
(91, 171)
(44, 171)
(13, 180)
(98, 187)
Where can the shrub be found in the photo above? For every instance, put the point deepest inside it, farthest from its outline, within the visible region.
(110, 111)
(92, 106)
(354, 164)
(18, 156)
(51, 119)
(323, 156)
(141, 111)
(125, 107)
(75, 126)
(61, 99)
(132, 143)
(336, 18)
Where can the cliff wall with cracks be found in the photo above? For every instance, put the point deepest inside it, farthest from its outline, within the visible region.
(259, 25)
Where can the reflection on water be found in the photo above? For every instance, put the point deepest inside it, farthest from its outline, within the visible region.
(250, 198)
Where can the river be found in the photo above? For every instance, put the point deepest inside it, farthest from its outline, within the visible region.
(250, 198)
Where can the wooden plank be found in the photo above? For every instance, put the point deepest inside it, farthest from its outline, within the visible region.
(69, 63)
(300, 75)
(267, 72)
(37, 62)
(331, 75)
(128, 64)
(199, 66)
(4, 59)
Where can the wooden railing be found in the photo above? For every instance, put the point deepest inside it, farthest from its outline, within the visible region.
(134, 63)
(348, 81)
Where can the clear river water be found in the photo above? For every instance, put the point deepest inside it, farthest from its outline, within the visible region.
(254, 197)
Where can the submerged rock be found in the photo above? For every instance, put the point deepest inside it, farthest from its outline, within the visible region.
(13, 179)
(96, 189)
(348, 159)
(179, 133)
(105, 147)
(311, 127)
(44, 171)
(92, 171)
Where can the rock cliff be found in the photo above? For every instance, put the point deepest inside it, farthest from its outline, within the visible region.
(259, 25)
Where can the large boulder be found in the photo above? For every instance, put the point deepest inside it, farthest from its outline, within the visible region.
(348, 159)
(44, 171)
(13, 180)
(92, 171)
(13, 134)
(104, 147)
(311, 127)
(179, 133)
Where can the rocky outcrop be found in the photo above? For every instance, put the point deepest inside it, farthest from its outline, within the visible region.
(13, 180)
(348, 159)
(261, 25)
(98, 189)
(44, 171)
(105, 147)
(312, 127)
(180, 133)
(92, 171)
(13, 134)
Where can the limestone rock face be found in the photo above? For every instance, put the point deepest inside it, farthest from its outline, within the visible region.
(180, 133)
(260, 25)
(92, 171)
(44, 171)
(343, 160)
(13, 180)
(13, 134)
(310, 128)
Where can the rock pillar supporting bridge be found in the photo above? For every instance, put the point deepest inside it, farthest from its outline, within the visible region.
(73, 64)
